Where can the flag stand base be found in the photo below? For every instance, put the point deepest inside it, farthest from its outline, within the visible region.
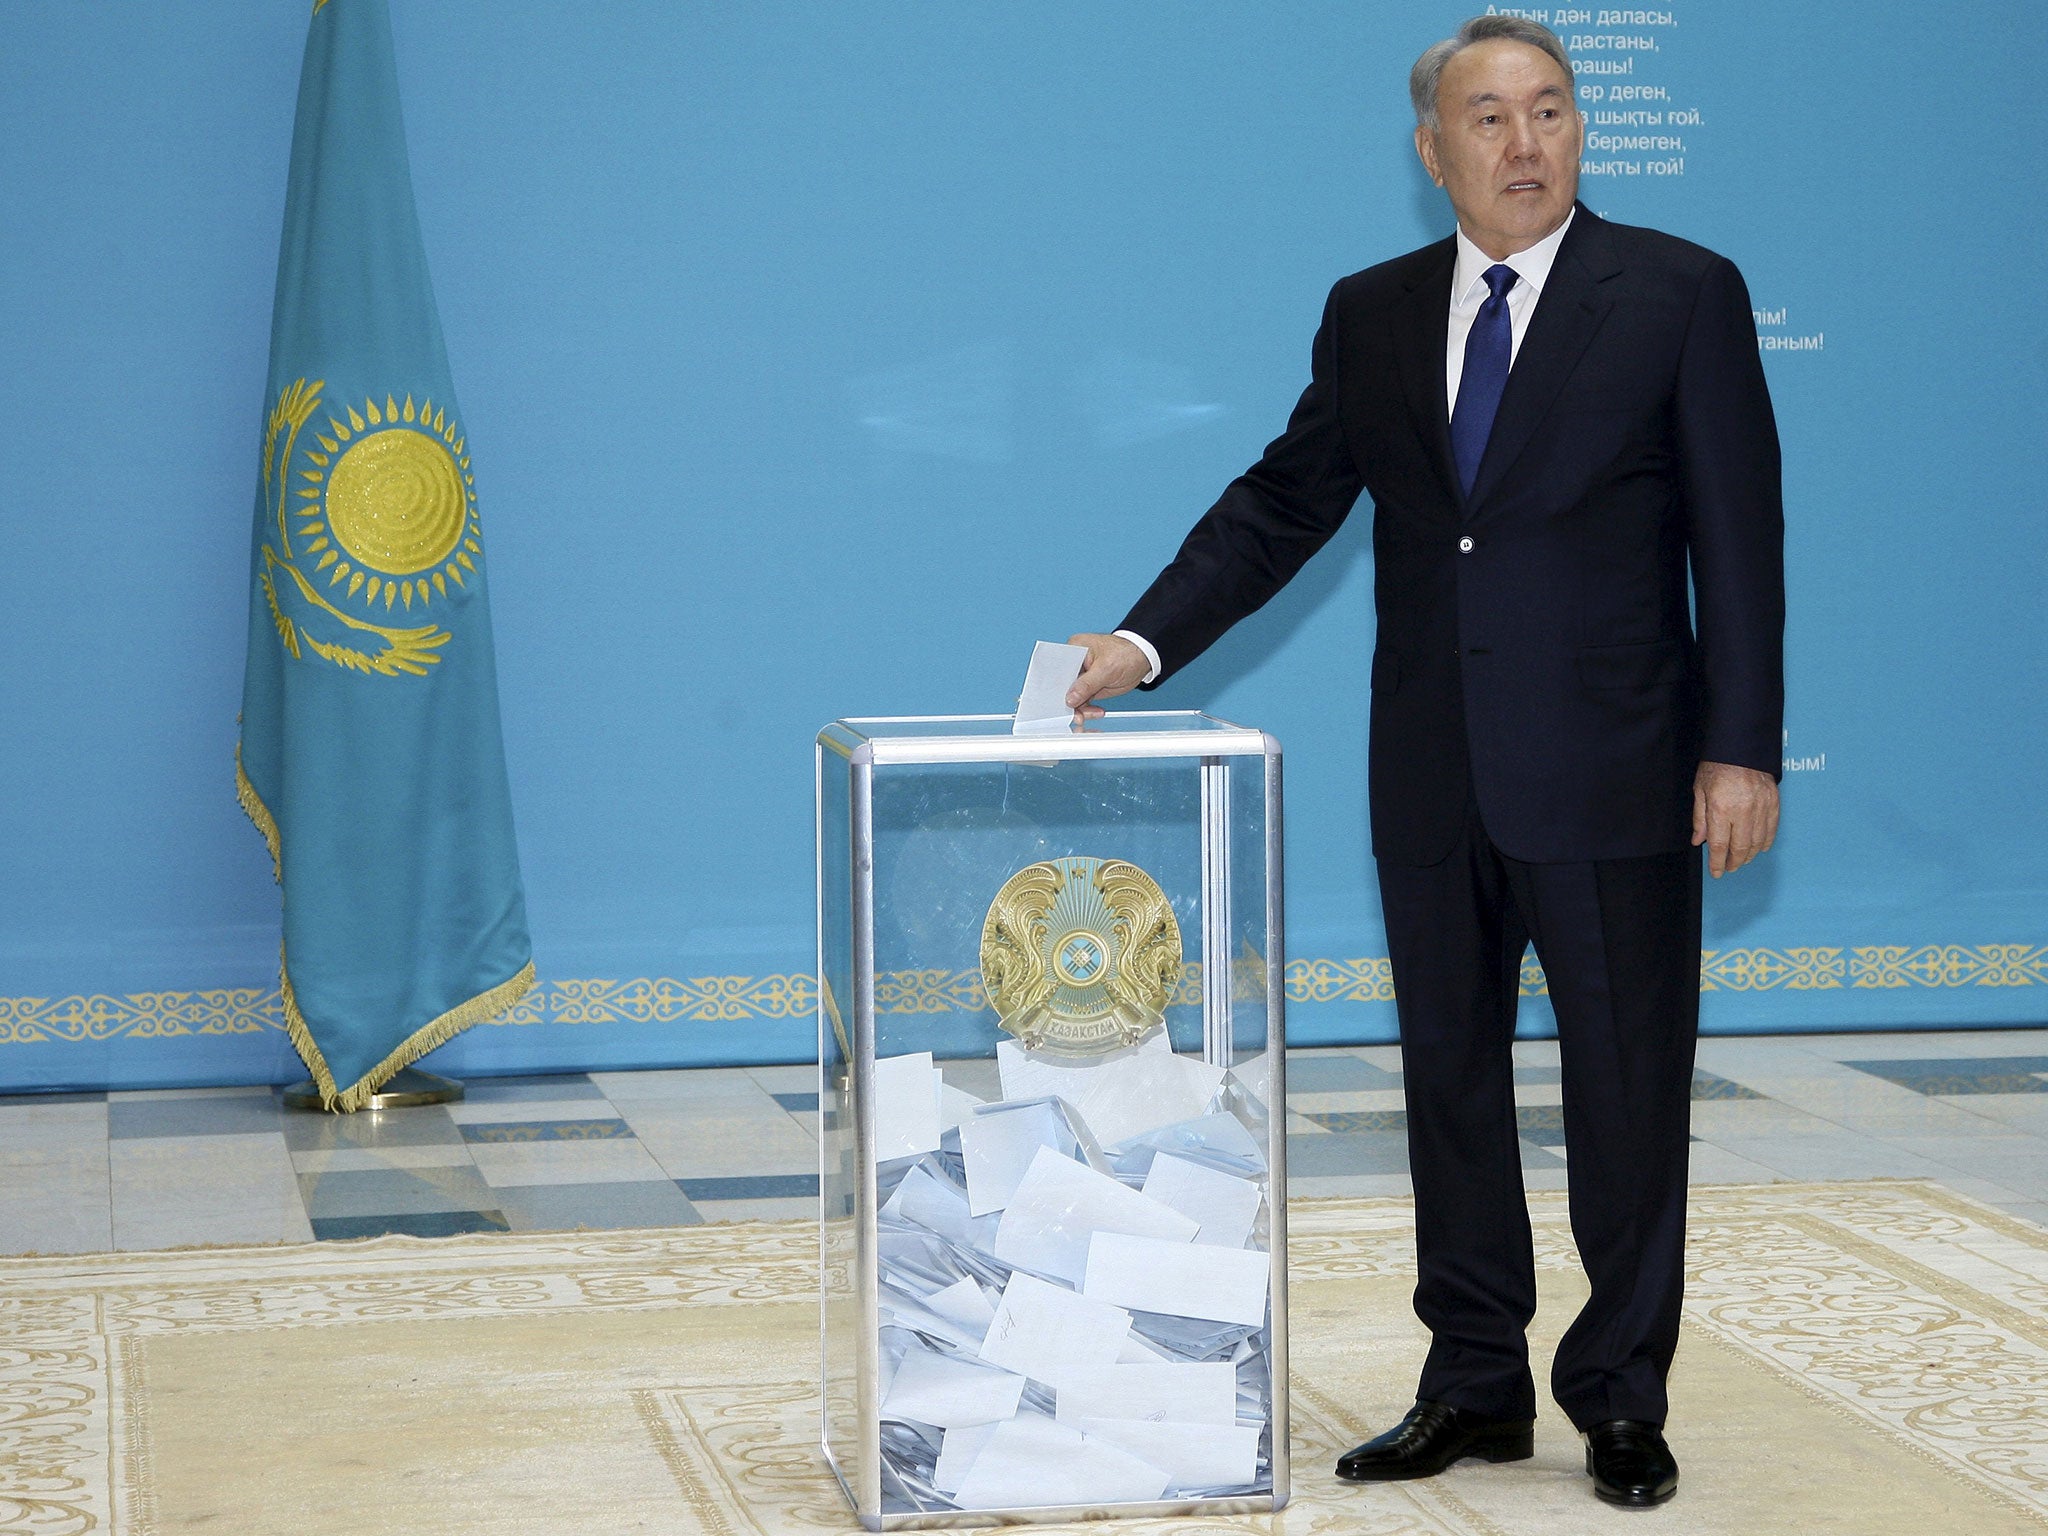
(409, 1089)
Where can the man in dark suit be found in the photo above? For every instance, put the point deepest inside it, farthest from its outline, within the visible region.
(1558, 420)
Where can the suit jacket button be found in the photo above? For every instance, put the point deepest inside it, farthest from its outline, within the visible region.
(1465, 545)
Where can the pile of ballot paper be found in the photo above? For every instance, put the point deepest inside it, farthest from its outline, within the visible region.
(1073, 1282)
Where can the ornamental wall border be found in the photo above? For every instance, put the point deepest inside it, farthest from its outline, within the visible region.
(83, 1018)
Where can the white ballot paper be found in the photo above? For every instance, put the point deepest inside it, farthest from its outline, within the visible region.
(998, 1144)
(1145, 1091)
(1042, 707)
(1219, 1285)
(1045, 1330)
(1225, 1205)
(956, 1454)
(906, 1106)
(1028, 1076)
(1034, 1461)
(931, 1203)
(1208, 1139)
(948, 1392)
(963, 1302)
(1255, 1075)
(955, 1105)
(1191, 1455)
(1204, 1393)
(1060, 1205)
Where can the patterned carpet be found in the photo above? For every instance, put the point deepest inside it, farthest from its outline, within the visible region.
(1868, 1358)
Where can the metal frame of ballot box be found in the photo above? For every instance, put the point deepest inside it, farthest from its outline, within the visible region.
(920, 821)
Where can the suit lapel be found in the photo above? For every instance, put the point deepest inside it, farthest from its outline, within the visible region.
(1421, 323)
(1567, 315)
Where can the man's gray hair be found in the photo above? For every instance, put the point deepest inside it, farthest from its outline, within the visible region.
(1428, 73)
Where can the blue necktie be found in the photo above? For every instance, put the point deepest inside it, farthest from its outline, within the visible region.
(1489, 348)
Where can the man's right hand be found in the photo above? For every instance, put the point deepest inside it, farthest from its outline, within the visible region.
(1114, 666)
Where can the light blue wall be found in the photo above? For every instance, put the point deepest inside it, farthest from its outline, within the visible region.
(817, 358)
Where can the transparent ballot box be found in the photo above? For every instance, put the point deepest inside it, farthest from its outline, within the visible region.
(1051, 1136)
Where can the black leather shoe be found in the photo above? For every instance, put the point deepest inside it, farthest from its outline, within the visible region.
(1430, 1438)
(1630, 1464)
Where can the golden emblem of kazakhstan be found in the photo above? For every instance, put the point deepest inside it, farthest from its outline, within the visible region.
(376, 522)
(1080, 955)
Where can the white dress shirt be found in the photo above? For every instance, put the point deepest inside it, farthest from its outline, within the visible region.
(1468, 292)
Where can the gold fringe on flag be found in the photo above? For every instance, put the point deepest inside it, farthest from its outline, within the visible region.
(485, 1005)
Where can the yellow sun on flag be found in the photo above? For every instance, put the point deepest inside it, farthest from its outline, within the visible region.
(389, 507)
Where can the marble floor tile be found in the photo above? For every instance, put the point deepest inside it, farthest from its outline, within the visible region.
(143, 1167)
(685, 1086)
(424, 1125)
(1329, 1103)
(554, 1087)
(179, 1191)
(275, 1215)
(611, 1206)
(1344, 1120)
(1963, 1075)
(34, 1127)
(1338, 1073)
(1992, 1042)
(1717, 1165)
(1545, 1178)
(786, 1079)
(371, 1159)
(529, 1163)
(502, 1132)
(32, 1098)
(1842, 1155)
(2017, 1111)
(1884, 1046)
(2024, 1172)
(149, 1095)
(395, 1191)
(1347, 1185)
(1347, 1152)
(33, 1224)
(233, 1114)
(500, 1111)
(1709, 1087)
(69, 1172)
(1993, 1140)
(788, 1186)
(1714, 1119)
(1837, 1091)
(698, 1143)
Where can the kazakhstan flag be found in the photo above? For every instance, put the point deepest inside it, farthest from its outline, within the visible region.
(370, 756)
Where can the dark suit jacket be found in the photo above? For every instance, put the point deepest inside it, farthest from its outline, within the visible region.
(1555, 669)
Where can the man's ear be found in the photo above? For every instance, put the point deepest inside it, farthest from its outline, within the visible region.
(1425, 146)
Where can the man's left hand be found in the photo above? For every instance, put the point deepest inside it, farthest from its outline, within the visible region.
(1735, 813)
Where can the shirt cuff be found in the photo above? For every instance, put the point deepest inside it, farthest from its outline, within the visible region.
(1151, 655)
